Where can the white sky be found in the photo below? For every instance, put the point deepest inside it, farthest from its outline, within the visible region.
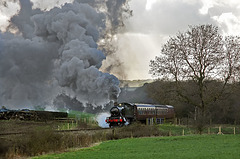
(153, 21)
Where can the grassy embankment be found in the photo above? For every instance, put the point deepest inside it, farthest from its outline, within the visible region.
(41, 136)
(78, 119)
(177, 147)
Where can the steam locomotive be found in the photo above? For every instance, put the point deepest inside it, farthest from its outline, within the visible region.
(126, 113)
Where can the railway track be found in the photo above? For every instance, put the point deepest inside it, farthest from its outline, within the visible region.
(59, 131)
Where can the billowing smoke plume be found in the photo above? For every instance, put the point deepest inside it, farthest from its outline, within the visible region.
(57, 51)
(116, 11)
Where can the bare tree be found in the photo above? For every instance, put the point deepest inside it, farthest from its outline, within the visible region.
(199, 55)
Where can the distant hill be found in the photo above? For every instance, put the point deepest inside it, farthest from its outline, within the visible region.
(135, 91)
(134, 83)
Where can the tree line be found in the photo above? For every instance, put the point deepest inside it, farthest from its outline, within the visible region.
(225, 110)
(198, 72)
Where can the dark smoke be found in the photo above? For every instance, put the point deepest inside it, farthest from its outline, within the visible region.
(58, 51)
(116, 11)
(63, 101)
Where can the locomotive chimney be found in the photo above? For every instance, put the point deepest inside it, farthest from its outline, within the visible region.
(115, 103)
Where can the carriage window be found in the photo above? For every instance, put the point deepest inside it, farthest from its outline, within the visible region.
(164, 111)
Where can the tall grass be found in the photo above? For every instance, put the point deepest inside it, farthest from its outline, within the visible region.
(135, 130)
(44, 141)
(41, 141)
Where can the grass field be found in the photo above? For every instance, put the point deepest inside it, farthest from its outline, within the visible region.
(177, 147)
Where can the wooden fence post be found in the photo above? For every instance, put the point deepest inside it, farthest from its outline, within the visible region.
(104, 134)
(183, 132)
(114, 132)
(175, 121)
(170, 132)
(234, 131)
(220, 131)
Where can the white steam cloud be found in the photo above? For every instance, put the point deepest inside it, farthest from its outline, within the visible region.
(101, 119)
(53, 52)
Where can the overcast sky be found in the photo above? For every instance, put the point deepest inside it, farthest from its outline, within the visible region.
(152, 23)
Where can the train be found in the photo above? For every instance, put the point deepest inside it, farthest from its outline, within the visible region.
(127, 113)
(26, 114)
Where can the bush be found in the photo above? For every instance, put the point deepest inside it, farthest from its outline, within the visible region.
(43, 141)
(135, 130)
(3, 148)
(200, 124)
(35, 143)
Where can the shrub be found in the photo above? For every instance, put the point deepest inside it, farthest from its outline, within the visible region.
(43, 141)
(3, 148)
(35, 143)
(135, 130)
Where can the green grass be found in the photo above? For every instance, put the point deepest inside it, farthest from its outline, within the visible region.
(175, 129)
(178, 147)
(80, 115)
(80, 119)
